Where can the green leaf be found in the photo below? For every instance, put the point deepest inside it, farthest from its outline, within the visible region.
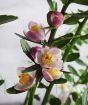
(64, 1)
(68, 101)
(62, 41)
(26, 48)
(37, 97)
(32, 68)
(12, 90)
(1, 82)
(55, 101)
(41, 85)
(50, 2)
(55, 5)
(80, 62)
(79, 101)
(72, 70)
(73, 57)
(7, 18)
(69, 77)
(75, 48)
(74, 96)
(83, 2)
(59, 81)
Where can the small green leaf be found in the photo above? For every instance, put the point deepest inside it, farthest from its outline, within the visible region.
(83, 2)
(55, 101)
(32, 68)
(1, 82)
(69, 77)
(37, 97)
(73, 57)
(75, 48)
(26, 48)
(12, 90)
(41, 85)
(7, 18)
(79, 101)
(59, 81)
(74, 96)
(79, 61)
(72, 69)
(50, 2)
(64, 1)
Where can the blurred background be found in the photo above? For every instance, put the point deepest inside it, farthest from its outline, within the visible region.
(11, 55)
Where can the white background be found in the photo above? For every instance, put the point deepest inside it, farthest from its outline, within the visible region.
(11, 55)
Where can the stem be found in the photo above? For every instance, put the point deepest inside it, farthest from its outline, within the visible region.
(45, 100)
(69, 47)
(26, 99)
(53, 31)
(32, 93)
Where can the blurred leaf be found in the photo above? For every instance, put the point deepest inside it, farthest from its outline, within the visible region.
(79, 61)
(26, 48)
(73, 70)
(1, 82)
(73, 57)
(64, 1)
(59, 81)
(79, 101)
(74, 18)
(68, 101)
(63, 40)
(37, 97)
(83, 2)
(69, 78)
(50, 2)
(7, 18)
(12, 90)
(55, 5)
(74, 96)
(32, 68)
(85, 97)
(54, 101)
(41, 85)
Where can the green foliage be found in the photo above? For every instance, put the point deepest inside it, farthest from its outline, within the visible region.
(12, 90)
(80, 62)
(85, 97)
(1, 82)
(83, 2)
(37, 97)
(64, 1)
(69, 78)
(41, 85)
(68, 101)
(32, 68)
(73, 57)
(59, 81)
(7, 18)
(72, 70)
(74, 96)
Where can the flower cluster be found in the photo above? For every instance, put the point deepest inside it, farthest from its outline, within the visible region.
(49, 58)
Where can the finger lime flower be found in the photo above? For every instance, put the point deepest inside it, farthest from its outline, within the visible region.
(36, 32)
(25, 80)
(49, 57)
(55, 18)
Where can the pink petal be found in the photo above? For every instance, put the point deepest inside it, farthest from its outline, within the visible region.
(46, 75)
(19, 70)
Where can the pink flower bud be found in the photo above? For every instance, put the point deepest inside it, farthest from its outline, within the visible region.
(55, 18)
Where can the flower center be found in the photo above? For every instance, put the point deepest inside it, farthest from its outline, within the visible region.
(53, 72)
(47, 58)
(24, 78)
(35, 28)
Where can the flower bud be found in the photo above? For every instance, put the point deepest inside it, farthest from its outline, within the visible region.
(55, 18)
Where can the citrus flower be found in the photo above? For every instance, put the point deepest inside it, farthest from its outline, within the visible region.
(55, 18)
(25, 80)
(35, 32)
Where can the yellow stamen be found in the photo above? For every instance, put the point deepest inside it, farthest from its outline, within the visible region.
(35, 27)
(47, 58)
(54, 72)
(24, 78)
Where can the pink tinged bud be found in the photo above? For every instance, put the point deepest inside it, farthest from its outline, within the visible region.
(55, 18)
(36, 32)
(34, 51)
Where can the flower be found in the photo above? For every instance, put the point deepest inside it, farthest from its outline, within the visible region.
(55, 18)
(51, 74)
(49, 57)
(25, 80)
(35, 33)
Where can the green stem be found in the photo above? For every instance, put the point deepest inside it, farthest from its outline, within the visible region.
(46, 97)
(69, 47)
(53, 31)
